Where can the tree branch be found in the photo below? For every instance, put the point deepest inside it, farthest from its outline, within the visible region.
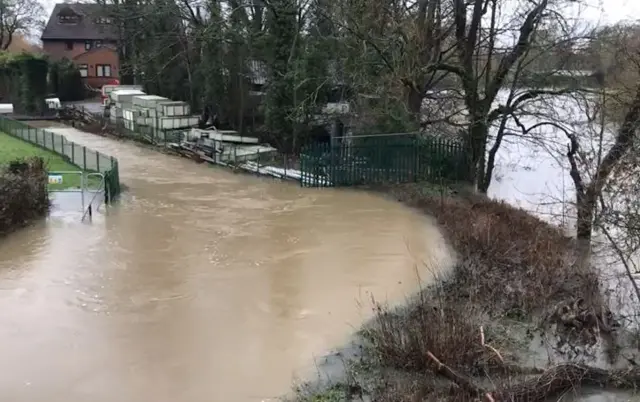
(623, 142)
(527, 28)
(528, 95)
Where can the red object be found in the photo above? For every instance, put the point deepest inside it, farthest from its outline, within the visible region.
(104, 97)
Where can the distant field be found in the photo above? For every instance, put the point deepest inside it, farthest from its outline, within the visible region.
(12, 148)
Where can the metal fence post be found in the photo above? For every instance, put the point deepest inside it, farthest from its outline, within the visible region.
(258, 169)
(53, 143)
(84, 158)
(416, 155)
(98, 160)
(107, 191)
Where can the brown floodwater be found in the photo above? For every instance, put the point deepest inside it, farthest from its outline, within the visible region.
(199, 285)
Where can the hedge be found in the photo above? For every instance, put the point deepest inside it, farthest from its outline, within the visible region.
(23, 194)
(23, 81)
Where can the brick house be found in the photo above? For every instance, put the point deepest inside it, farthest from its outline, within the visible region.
(84, 34)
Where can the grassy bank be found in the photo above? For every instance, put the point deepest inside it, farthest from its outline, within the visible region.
(471, 336)
(12, 149)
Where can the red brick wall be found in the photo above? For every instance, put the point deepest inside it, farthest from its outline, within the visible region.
(92, 58)
(95, 57)
(58, 49)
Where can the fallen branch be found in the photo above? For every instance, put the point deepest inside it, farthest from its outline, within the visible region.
(566, 377)
(553, 381)
(494, 350)
(463, 382)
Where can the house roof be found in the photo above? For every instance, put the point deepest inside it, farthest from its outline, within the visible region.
(86, 29)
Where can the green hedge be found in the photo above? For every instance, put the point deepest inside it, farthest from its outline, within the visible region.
(24, 82)
(65, 81)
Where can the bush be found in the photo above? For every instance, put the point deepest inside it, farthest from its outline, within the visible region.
(502, 247)
(401, 339)
(23, 193)
(65, 81)
(510, 266)
(23, 80)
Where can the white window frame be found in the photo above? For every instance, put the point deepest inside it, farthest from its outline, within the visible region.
(103, 70)
(84, 70)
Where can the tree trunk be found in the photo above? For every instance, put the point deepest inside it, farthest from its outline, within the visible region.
(477, 144)
(414, 103)
(584, 228)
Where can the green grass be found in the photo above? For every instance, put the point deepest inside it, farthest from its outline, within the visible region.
(12, 148)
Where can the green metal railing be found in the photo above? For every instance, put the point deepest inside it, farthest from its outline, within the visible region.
(78, 155)
(377, 159)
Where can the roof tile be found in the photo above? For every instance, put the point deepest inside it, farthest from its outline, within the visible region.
(86, 29)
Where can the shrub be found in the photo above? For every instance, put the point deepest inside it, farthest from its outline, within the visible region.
(23, 193)
(402, 339)
(509, 261)
(65, 81)
(23, 82)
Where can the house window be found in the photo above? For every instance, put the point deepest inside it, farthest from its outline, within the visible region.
(67, 19)
(103, 20)
(103, 70)
(69, 45)
(98, 43)
(84, 70)
(87, 45)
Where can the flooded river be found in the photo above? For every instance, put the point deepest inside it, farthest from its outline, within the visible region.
(199, 285)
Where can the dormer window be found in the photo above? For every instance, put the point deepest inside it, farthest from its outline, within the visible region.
(68, 16)
(68, 19)
(104, 21)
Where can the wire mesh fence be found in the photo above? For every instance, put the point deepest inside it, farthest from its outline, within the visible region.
(84, 158)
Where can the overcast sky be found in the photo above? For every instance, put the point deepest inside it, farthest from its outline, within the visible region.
(594, 12)
(615, 10)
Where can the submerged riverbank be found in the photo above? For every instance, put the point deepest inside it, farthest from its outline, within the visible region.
(515, 309)
(198, 284)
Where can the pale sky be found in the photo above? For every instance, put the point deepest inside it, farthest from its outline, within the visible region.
(615, 10)
(593, 12)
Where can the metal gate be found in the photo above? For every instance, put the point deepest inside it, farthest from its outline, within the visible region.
(58, 180)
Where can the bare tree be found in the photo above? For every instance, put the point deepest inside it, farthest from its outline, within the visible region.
(19, 17)
(474, 48)
(600, 165)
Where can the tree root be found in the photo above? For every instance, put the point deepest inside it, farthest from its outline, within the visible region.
(553, 381)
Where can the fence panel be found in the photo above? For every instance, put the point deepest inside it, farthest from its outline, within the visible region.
(78, 155)
(58, 144)
(90, 158)
(382, 159)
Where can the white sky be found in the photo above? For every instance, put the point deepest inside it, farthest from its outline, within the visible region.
(594, 12)
(615, 10)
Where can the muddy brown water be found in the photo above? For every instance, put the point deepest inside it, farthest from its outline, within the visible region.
(200, 285)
